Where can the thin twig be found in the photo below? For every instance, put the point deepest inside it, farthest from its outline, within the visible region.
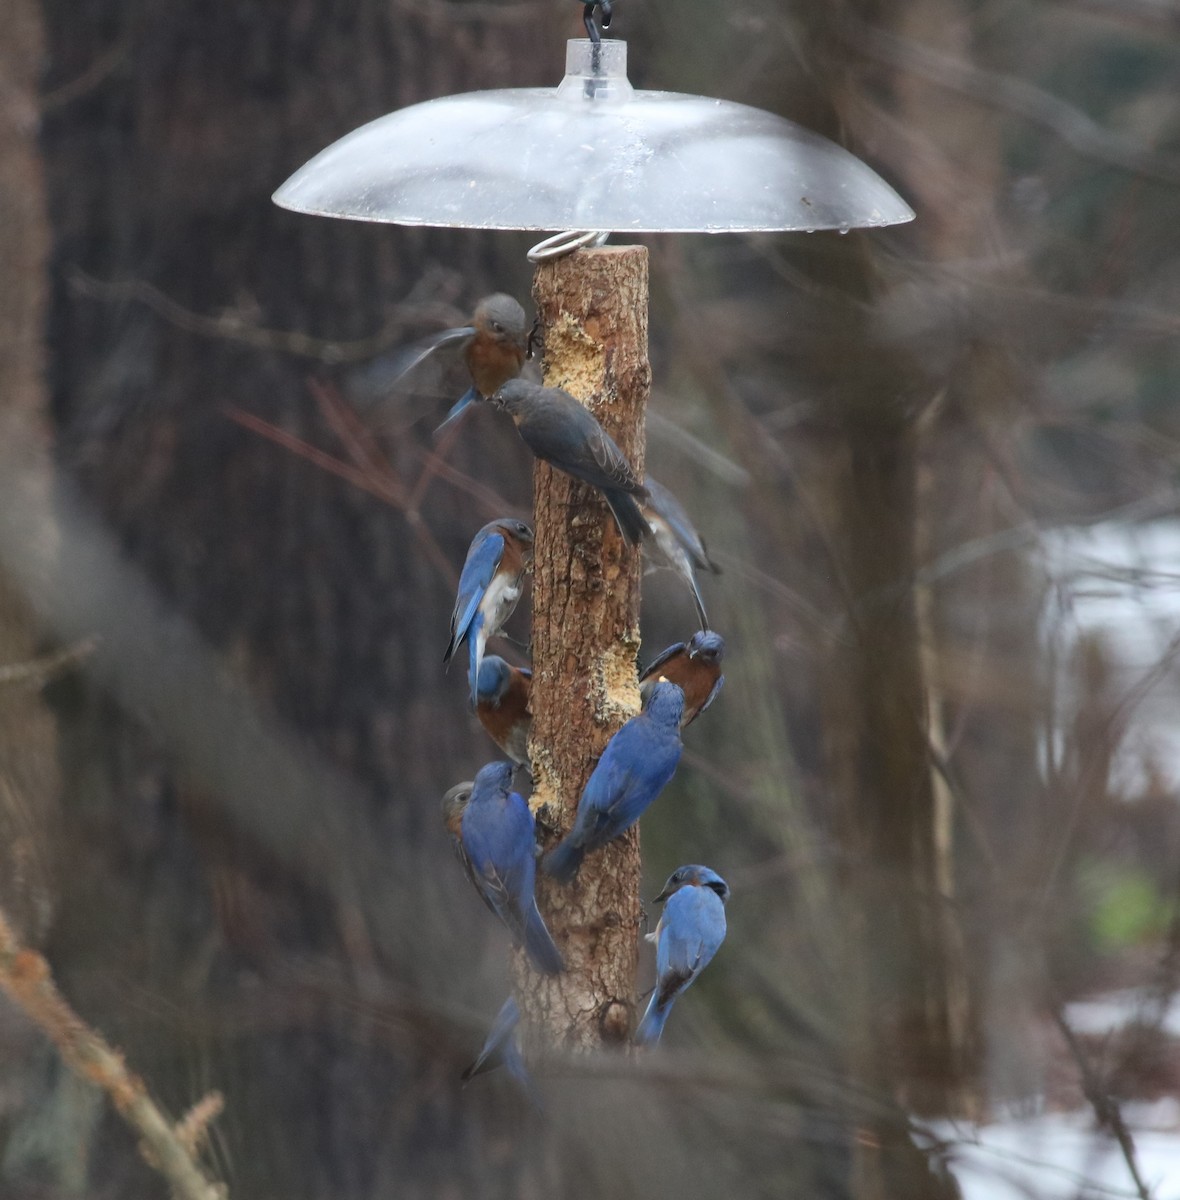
(25, 976)
(1106, 1108)
(233, 327)
(39, 671)
(321, 458)
(1016, 96)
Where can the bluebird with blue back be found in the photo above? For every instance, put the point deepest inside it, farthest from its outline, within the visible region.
(634, 768)
(494, 834)
(695, 667)
(502, 696)
(677, 540)
(567, 435)
(489, 587)
(690, 931)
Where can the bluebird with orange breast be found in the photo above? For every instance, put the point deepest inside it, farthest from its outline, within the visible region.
(677, 540)
(690, 932)
(494, 347)
(489, 587)
(494, 834)
(502, 695)
(634, 768)
(567, 435)
(695, 667)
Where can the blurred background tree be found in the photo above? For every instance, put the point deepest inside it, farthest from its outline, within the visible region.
(939, 780)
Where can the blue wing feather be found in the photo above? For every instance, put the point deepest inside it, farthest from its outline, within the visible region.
(482, 560)
(457, 409)
(712, 695)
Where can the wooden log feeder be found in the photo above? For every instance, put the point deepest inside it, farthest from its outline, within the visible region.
(585, 630)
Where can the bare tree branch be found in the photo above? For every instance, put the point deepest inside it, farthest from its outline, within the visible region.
(1106, 1108)
(169, 1149)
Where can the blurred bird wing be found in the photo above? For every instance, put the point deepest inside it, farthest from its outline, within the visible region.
(478, 571)
(679, 524)
(659, 660)
(495, 1044)
(416, 354)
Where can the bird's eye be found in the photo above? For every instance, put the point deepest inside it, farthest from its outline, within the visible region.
(497, 327)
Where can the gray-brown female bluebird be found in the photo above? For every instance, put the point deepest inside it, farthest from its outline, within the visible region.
(566, 434)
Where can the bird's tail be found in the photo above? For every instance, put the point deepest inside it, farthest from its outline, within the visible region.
(476, 641)
(709, 563)
(652, 1024)
(628, 515)
(544, 954)
(563, 861)
(457, 409)
(697, 599)
(500, 1036)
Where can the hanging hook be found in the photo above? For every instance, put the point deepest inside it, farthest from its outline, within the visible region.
(558, 245)
(588, 18)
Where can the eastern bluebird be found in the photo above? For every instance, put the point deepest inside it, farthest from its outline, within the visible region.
(677, 540)
(495, 350)
(495, 837)
(566, 434)
(636, 764)
(489, 588)
(494, 347)
(690, 931)
(695, 668)
(502, 695)
(501, 1048)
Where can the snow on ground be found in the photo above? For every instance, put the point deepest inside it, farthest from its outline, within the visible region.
(1055, 1156)
(1060, 1156)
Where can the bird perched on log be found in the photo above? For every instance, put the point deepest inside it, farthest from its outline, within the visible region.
(494, 834)
(502, 695)
(634, 768)
(677, 540)
(690, 931)
(489, 587)
(695, 667)
(494, 347)
(567, 435)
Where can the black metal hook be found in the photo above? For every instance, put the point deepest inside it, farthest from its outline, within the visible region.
(588, 18)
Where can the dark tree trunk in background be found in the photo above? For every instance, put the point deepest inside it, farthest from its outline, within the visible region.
(28, 782)
(167, 128)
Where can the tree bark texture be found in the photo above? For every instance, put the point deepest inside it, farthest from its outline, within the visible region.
(593, 309)
(28, 775)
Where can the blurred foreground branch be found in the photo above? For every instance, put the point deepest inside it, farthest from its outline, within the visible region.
(1107, 1110)
(25, 976)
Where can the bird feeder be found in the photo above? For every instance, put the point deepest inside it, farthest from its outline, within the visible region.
(593, 156)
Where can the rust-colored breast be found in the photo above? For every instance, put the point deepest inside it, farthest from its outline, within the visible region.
(492, 362)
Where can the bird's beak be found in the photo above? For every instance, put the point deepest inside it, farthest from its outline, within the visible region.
(662, 896)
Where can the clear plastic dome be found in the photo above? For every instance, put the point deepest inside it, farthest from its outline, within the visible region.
(593, 153)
